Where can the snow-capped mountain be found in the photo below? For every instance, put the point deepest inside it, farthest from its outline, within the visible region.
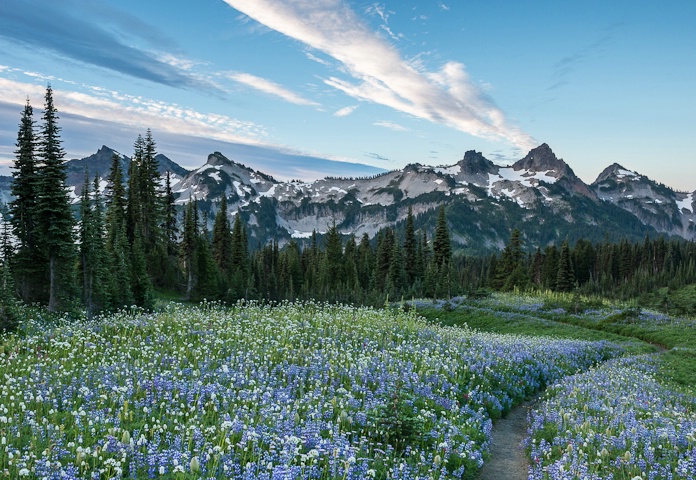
(668, 211)
(539, 194)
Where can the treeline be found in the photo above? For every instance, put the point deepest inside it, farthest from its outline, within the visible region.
(391, 266)
(621, 270)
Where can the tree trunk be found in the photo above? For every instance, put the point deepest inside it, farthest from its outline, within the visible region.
(52, 286)
(189, 286)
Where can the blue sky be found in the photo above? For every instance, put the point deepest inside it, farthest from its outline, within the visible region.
(307, 88)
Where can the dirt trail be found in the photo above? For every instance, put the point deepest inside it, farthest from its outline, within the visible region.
(508, 460)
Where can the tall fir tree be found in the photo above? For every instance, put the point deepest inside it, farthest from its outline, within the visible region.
(30, 259)
(410, 248)
(365, 261)
(239, 278)
(170, 225)
(207, 273)
(397, 272)
(140, 280)
(332, 262)
(55, 218)
(165, 271)
(9, 305)
(442, 248)
(134, 203)
(565, 279)
(222, 239)
(188, 247)
(148, 190)
(118, 251)
(95, 272)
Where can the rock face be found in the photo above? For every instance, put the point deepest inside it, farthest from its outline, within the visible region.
(654, 204)
(539, 194)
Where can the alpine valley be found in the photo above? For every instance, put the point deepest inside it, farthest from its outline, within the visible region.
(539, 194)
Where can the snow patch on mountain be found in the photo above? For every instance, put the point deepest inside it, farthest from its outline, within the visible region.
(686, 203)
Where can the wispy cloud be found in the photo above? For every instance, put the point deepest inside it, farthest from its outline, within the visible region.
(377, 156)
(98, 115)
(66, 31)
(392, 126)
(566, 66)
(314, 58)
(271, 88)
(380, 74)
(380, 10)
(443, 6)
(345, 111)
(138, 112)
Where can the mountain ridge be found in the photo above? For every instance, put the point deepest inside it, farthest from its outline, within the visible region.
(539, 192)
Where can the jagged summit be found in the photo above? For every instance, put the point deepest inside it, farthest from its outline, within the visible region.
(474, 163)
(542, 159)
(615, 172)
(217, 158)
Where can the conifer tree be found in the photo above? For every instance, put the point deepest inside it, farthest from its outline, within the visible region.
(29, 260)
(169, 225)
(95, 272)
(206, 269)
(333, 260)
(442, 248)
(511, 269)
(188, 246)
(397, 272)
(118, 251)
(536, 271)
(240, 262)
(385, 247)
(350, 268)
(150, 203)
(364, 262)
(222, 239)
(565, 280)
(9, 305)
(134, 203)
(55, 218)
(140, 280)
(550, 269)
(410, 248)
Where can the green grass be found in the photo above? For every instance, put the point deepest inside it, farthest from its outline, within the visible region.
(531, 326)
(678, 366)
(664, 335)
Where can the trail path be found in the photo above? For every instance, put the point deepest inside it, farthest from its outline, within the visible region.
(508, 460)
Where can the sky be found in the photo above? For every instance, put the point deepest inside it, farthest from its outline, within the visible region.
(309, 88)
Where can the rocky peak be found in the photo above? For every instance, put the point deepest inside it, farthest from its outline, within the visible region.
(614, 172)
(542, 159)
(218, 159)
(474, 162)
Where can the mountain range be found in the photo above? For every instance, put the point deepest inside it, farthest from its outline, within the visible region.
(539, 194)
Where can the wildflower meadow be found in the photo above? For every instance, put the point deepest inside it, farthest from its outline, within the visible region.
(615, 421)
(306, 391)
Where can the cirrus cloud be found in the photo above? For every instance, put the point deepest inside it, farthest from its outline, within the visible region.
(378, 72)
(392, 126)
(345, 111)
(271, 88)
(61, 28)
